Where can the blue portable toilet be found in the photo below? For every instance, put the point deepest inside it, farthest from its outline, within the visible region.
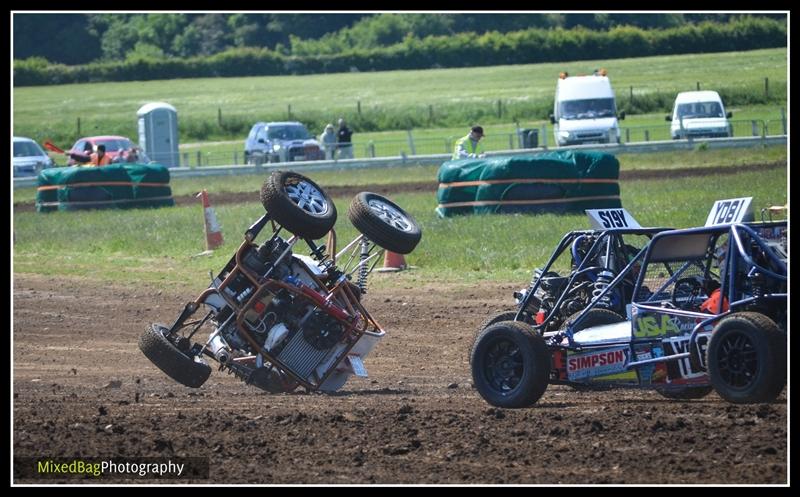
(158, 133)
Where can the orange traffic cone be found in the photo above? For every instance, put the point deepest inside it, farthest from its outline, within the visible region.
(392, 262)
(212, 228)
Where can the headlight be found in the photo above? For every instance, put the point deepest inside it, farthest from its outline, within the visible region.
(276, 147)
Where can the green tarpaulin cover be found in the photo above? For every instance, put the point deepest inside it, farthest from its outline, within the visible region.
(561, 181)
(114, 186)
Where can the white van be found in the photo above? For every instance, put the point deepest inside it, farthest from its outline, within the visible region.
(699, 114)
(585, 110)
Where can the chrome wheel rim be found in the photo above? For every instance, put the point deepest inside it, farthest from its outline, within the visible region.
(307, 197)
(390, 215)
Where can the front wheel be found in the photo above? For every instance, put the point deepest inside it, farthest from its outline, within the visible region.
(178, 365)
(384, 222)
(510, 365)
(298, 204)
(746, 358)
(497, 318)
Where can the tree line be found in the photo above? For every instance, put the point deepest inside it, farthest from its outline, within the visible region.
(351, 49)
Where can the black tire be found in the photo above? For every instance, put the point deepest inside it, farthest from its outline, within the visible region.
(746, 358)
(497, 318)
(169, 359)
(384, 222)
(510, 365)
(595, 317)
(686, 393)
(298, 204)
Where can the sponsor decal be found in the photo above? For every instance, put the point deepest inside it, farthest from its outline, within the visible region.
(597, 363)
(682, 368)
(654, 325)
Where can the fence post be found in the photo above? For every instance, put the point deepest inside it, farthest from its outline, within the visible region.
(411, 143)
(499, 108)
(766, 88)
(511, 141)
(647, 135)
(631, 97)
(186, 159)
(447, 146)
(783, 119)
(79, 126)
(219, 116)
(627, 135)
(754, 127)
(199, 159)
(430, 113)
(698, 86)
(289, 111)
(235, 158)
(358, 106)
(544, 136)
(371, 148)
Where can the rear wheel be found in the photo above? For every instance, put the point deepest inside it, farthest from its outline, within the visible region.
(746, 358)
(384, 222)
(170, 359)
(510, 365)
(298, 204)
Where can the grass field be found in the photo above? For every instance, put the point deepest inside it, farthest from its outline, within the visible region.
(104, 108)
(156, 246)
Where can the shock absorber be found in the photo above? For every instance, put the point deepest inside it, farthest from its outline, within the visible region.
(601, 283)
(363, 271)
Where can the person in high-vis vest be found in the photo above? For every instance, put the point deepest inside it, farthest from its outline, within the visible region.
(469, 147)
(100, 158)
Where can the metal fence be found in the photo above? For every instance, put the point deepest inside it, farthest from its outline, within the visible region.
(524, 138)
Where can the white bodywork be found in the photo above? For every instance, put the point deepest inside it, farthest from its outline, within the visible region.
(577, 119)
(699, 114)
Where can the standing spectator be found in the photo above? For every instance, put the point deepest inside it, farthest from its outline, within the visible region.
(469, 147)
(344, 142)
(328, 140)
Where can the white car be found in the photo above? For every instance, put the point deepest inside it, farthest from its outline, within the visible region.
(699, 114)
(29, 157)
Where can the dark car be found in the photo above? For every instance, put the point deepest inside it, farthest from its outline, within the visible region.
(281, 142)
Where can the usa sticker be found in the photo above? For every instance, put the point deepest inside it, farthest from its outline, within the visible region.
(611, 219)
(732, 210)
(588, 365)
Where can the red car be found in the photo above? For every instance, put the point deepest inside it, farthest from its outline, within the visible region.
(118, 148)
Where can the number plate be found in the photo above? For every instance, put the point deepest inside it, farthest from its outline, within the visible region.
(732, 210)
(611, 219)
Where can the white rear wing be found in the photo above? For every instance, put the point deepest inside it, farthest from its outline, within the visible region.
(610, 219)
(729, 211)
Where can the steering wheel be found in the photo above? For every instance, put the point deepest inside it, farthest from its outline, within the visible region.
(685, 293)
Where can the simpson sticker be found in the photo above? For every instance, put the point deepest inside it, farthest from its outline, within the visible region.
(603, 362)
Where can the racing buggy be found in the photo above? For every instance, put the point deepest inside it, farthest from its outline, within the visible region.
(709, 312)
(279, 319)
(592, 259)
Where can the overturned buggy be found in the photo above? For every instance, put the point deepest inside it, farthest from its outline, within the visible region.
(278, 319)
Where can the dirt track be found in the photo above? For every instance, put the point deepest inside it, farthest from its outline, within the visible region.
(415, 420)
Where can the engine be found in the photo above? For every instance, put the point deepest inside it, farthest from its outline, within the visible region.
(292, 322)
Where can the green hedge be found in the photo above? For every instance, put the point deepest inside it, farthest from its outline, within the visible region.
(458, 50)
